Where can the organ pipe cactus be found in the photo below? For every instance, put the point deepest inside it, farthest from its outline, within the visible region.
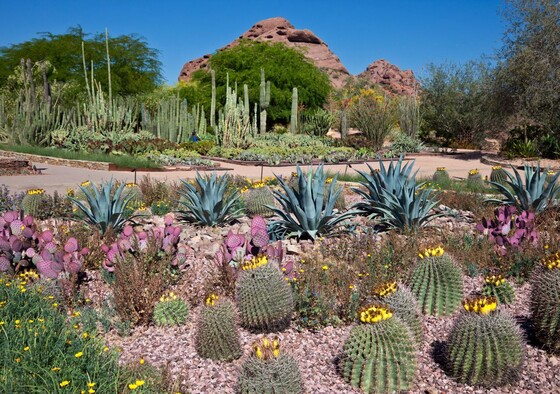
(379, 354)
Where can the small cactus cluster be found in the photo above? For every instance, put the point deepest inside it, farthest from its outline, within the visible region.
(474, 178)
(217, 337)
(441, 175)
(379, 355)
(33, 201)
(170, 310)
(258, 200)
(499, 175)
(130, 241)
(497, 286)
(405, 306)
(485, 346)
(264, 299)
(53, 263)
(545, 302)
(269, 370)
(17, 235)
(436, 282)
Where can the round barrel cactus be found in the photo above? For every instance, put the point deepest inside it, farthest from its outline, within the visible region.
(474, 178)
(268, 370)
(485, 346)
(170, 310)
(545, 302)
(216, 333)
(498, 175)
(497, 286)
(441, 175)
(379, 355)
(405, 306)
(33, 202)
(436, 282)
(258, 200)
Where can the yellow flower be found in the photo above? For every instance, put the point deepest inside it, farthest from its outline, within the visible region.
(325, 267)
(79, 354)
(211, 299)
(55, 369)
(18, 360)
(105, 349)
(132, 386)
(480, 305)
(26, 348)
(474, 171)
(385, 289)
(139, 383)
(141, 361)
(64, 383)
(374, 313)
(91, 384)
(255, 262)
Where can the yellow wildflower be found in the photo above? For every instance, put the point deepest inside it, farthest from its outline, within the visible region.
(64, 383)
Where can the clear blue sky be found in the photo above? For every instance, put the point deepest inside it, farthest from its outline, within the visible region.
(407, 33)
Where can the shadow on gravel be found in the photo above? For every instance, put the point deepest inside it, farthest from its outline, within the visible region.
(528, 331)
(438, 353)
(476, 155)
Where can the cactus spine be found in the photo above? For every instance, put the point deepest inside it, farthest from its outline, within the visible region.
(264, 101)
(258, 200)
(268, 370)
(216, 334)
(294, 113)
(498, 175)
(437, 283)
(441, 175)
(33, 202)
(263, 297)
(545, 303)
(485, 346)
(170, 310)
(496, 286)
(379, 355)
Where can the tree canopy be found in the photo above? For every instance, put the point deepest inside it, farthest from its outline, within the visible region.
(135, 67)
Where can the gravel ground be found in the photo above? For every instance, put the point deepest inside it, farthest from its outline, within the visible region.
(317, 352)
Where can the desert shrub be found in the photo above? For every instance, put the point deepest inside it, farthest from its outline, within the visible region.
(404, 143)
(10, 201)
(201, 147)
(317, 123)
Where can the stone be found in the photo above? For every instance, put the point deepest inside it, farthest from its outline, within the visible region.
(393, 79)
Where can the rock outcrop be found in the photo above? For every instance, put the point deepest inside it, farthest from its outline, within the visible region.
(280, 30)
(391, 78)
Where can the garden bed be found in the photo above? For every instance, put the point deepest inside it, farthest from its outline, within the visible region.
(495, 160)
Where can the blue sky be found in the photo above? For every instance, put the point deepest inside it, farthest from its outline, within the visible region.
(407, 33)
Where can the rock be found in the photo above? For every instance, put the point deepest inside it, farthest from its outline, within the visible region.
(492, 145)
(392, 78)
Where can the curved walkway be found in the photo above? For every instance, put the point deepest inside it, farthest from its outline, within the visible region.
(61, 178)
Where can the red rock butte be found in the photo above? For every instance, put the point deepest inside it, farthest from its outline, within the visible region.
(278, 29)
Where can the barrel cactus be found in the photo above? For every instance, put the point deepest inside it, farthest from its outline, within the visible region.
(497, 286)
(170, 310)
(258, 199)
(33, 202)
(405, 306)
(263, 297)
(474, 179)
(379, 354)
(499, 175)
(268, 370)
(485, 346)
(545, 302)
(437, 282)
(441, 175)
(216, 334)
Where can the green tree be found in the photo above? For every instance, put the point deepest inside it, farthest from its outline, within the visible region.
(135, 67)
(284, 67)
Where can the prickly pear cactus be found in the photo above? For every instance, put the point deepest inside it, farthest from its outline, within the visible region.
(33, 202)
(264, 299)
(216, 334)
(379, 355)
(545, 303)
(485, 346)
(405, 306)
(498, 175)
(441, 175)
(257, 201)
(269, 370)
(170, 310)
(496, 286)
(474, 178)
(437, 283)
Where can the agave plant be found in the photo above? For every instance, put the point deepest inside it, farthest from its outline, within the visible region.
(302, 214)
(102, 208)
(393, 197)
(534, 194)
(210, 205)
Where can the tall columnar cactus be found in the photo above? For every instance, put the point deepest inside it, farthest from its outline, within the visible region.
(170, 310)
(213, 100)
(545, 302)
(474, 179)
(441, 175)
(294, 113)
(379, 355)
(437, 283)
(485, 346)
(258, 199)
(264, 101)
(268, 370)
(33, 201)
(405, 306)
(216, 333)
(263, 297)
(498, 175)
(496, 286)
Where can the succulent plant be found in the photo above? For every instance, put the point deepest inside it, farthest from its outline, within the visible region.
(485, 346)
(441, 175)
(498, 175)
(33, 201)
(18, 234)
(269, 370)
(216, 333)
(340, 203)
(550, 174)
(379, 355)
(496, 286)
(264, 299)
(170, 310)
(436, 282)
(258, 200)
(474, 179)
(508, 229)
(405, 306)
(307, 212)
(545, 302)
(535, 193)
(210, 205)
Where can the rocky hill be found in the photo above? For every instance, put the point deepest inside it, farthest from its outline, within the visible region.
(281, 30)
